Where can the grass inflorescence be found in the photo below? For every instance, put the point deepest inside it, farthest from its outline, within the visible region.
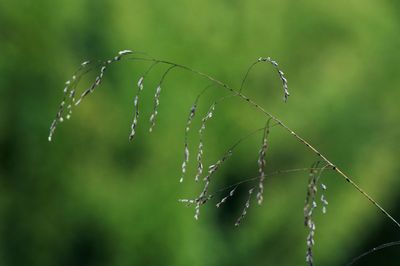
(256, 191)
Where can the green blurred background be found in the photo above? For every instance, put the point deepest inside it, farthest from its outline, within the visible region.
(92, 198)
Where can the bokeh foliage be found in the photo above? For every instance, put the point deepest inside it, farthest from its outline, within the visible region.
(92, 198)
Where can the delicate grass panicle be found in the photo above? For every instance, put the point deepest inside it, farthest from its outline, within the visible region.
(69, 102)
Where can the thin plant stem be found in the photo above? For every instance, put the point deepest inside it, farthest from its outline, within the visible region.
(386, 245)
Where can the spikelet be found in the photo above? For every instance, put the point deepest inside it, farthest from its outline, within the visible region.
(68, 98)
(135, 117)
(245, 209)
(200, 149)
(153, 116)
(323, 199)
(70, 90)
(188, 201)
(199, 161)
(224, 199)
(212, 169)
(310, 205)
(191, 115)
(189, 120)
(100, 77)
(197, 212)
(261, 163)
(281, 76)
(156, 104)
(136, 102)
(200, 201)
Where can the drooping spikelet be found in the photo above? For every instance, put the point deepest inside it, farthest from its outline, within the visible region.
(281, 76)
(100, 77)
(70, 89)
(153, 116)
(136, 102)
(261, 163)
(280, 73)
(310, 205)
(245, 209)
(224, 199)
(191, 115)
(68, 99)
(200, 149)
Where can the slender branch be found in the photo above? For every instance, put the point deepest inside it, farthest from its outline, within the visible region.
(247, 180)
(386, 245)
(275, 173)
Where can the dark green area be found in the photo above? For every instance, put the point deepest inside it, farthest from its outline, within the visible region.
(92, 198)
